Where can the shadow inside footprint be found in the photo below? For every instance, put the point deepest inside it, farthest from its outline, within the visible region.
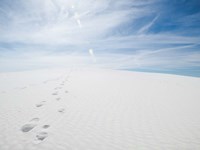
(29, 126)
(58, 98)
(40, 104)
(61, 110)
(55, 93)
(41, 136)
(46, 126)
(34, 119)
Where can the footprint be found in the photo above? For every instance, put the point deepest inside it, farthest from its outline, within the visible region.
(29, 126)
(55, 93)
(45, 126)
(40, 104)
(58, 98)
(40, 137)
(61, 110)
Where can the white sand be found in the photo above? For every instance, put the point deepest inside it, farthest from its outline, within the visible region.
(98, 110)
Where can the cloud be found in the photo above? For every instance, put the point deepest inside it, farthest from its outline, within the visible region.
(57, 22)
(147, 26)
(121, 33)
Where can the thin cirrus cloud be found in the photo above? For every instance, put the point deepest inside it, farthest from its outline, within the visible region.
(136, 34)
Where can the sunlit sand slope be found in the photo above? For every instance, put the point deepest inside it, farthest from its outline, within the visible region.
(85, 109)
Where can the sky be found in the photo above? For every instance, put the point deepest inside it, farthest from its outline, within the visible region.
(140, 35)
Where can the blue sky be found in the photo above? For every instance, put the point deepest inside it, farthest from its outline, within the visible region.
(143, 35)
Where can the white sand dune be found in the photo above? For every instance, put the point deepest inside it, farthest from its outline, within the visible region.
(88, 109)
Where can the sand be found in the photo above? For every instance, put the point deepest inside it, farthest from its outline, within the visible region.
(97, 109)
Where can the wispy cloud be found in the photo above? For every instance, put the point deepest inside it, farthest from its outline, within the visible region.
(146, 27)
(121, 34)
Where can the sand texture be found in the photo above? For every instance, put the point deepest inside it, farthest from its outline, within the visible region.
(96, 109)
